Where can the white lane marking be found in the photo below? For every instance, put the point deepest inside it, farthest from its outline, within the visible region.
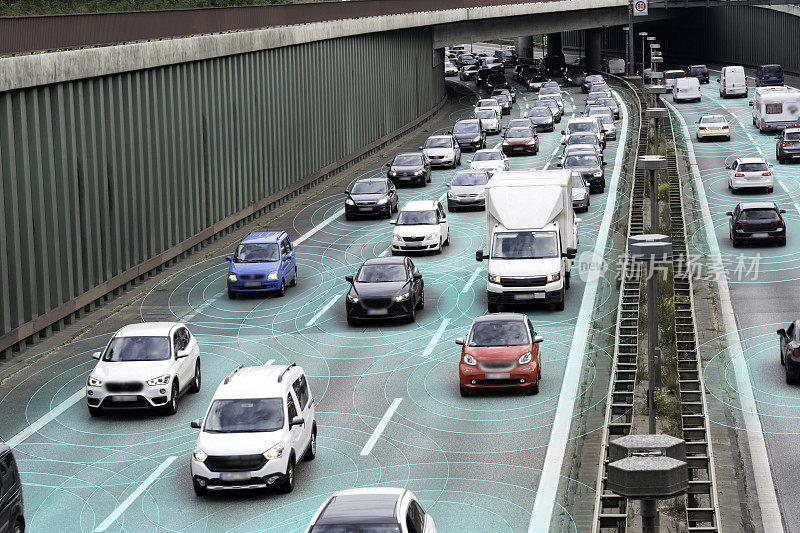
(189, 316)
(135, 494)
(786, 190)
(271, 361)
(383, 253)
(767, 500)
(442, 197)
(315, 229)
(323, 310)
(437, 336)
(380, 427)
(471, 280)
(45, 419)
(559, 436)
(549, 159)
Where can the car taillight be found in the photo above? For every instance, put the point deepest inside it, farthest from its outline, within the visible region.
(766, 173)
(739, 175)
(764, 126)
(796, 352)
(702, 128)
(743, 222)
(725, 127)
(786, 144)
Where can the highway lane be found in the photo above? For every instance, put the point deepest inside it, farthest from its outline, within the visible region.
(470, 460)
(764, 282)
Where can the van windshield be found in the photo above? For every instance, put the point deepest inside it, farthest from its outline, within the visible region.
(773, 69)
(525, 245)
(245, 416)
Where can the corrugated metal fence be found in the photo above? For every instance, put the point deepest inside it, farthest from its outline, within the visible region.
(102, 179)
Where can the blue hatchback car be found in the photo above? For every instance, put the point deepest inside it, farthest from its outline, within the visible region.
(264, 261)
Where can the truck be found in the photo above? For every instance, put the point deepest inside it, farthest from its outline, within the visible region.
(532, 237)
(776, 108)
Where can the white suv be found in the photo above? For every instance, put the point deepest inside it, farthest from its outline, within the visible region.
(260, 423)
(144, 366)
(750, 173)
(420, 226)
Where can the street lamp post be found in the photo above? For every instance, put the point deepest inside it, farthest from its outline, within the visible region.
(651, 39)
(657, 88)
(643, 35)
(629, 39)
(656, 113)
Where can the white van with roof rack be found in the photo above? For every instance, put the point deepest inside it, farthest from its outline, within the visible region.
(260, 424)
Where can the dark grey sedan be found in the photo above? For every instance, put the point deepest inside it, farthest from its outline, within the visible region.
(371, 196)
(788, 146)
(467, 189)
(410, 168)
(590, 168)
(541, 118)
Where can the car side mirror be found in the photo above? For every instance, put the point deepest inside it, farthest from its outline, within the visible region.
(460, 341)
(349, 279)
(717, 80)
(228, 258)
(728, 167)
(393, 222)
(562, 132)
(297, 421)
(417, 276)
(96, 355)
(570, 253)
(750, 103)
(537, 339)
(782, 211)
(781, 331)
(479, 255)
(195, 424)
(728, 213)
(420, 147)
(181, 354)
(388, 165)
(604, 163)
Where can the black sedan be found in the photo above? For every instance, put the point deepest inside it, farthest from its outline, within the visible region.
(385, 288)
(756, 221)
(788, 146)
(409, 168)
(574, 76)
(590, 167)
(790, 351)
(469, 134)
(468, 73)
(371, 196)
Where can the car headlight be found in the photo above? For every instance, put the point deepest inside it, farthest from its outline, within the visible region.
(393, 173)
(352, 299)
(397, 237)
(532, 142)
(273, 275)
(494, 279)
(160, 380)
(476, 139)
(597, 174)
(274, 452)
(432, 236)
(419, 172)
(451, 194)
(402, 297)
(349, 201)
(232, 277)
(468, 359)
(94, 382)
(525, 358)
(555, 276)
(199, 455)
(383, 201)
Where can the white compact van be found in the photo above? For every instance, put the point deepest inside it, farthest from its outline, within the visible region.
(732, 82)
(686, 89)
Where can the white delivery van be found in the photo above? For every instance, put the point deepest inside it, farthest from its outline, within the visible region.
(616, 66)
(732, 82)
(686, 89)
(532, 237)
(775, 108)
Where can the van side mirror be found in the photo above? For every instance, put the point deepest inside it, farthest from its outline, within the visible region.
(297, 421)
(348, 279)
(479, 255)
(96, 355)
(570, 253)
(195, 424)
(537, 339)
(228, 258)
(460, 341)
(393, 222)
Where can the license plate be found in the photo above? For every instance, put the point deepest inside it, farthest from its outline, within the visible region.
(519, 148)
(252, 284)
(365, 209)
(530, 296)
(760, 235)
(405, 178)
(415, 244)
(234, 476)
(377, 312)
(498, 376)
(124, 398)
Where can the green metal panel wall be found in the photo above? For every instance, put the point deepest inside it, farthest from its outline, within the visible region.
(100, 175)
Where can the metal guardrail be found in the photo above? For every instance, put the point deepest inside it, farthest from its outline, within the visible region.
(55, 32)
(661, 4)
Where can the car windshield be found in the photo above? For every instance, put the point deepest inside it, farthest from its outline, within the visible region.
(438, 142)
(758, 214)
(525, 245)
(257, 253)
(672, 74)
(465, 179)
(792, 136)
(586, 138)
(503, 99)
(573, 127)
(608, 102)
(138, 349)
(499, 333)
(753, 167)
(485, 113)
(382, 273)
(518, 133)
(248, 415)
(583, 160)
(487, 156)
(527, 72)
(356, 528)
(698, 69)
(416, 218)
(712, 119)
(490, 102)
(408, 160)
(539, 112)
(368, 187)
(466, 128)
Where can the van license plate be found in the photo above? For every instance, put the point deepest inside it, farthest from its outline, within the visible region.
(124, 398)
(498, 376)
(530, 296)
(234, 476)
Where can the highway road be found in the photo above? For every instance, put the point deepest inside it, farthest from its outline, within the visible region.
(763, 299)
(474, 462)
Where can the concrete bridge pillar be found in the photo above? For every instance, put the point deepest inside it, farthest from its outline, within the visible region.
(525, 47)
(591, 48)
(553, 43)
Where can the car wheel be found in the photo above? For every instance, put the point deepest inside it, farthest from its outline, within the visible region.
(450, 207)
(311, 453)
(172, 404)
(348, 216)
(493, 308)
(19, 527)
(287, 485)
(293, 283)
(198, 490)
(447, 240)
(231, 295)
(96, 411)
(769, 189)
(412, 317)
(421, 303)
(439, 249)
(736, 244)
(464, 392)
(782, 242)
(560, 305)
(567, 281)
(396, 207)
(198, 379)
(532, 390)
(352, 321)
(282, 291)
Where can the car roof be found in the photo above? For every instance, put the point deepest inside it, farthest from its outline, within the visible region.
(470, 120)
(498, 316)
(752, 160)
(262, 237)
(362, 506)
(440, 137)
(257, 382)
(757, 205)
(419, 154)
(487, 150)
(389, 260)
(147, 329)
(368, 180)
(714, 116)
(697, 66)
(420, 205)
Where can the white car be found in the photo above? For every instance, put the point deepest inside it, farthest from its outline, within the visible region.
(144, 366)
(490, 120)
(713, 126)
(573, 149)
(686, 89)
(450, 69)
(373, 509)
(423, 223)
(490, 103)
(261, 422)
(606, 121)
(750, 173)
(490, 160)
(584, 124)
(442, 150)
